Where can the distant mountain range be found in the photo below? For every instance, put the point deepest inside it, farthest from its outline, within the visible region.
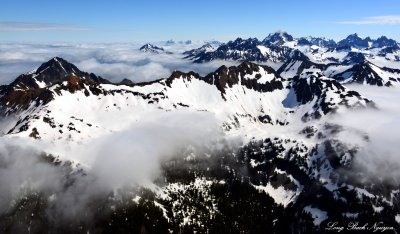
(344, 61)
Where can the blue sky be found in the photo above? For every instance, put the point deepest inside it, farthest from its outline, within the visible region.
(155, 20)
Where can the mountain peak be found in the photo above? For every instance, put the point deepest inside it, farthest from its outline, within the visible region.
(58, 63)
(354, 35)
(51, 72)
(126, 81)
(384, 42)
(277, 38)
(354, 40)
(151, 48)
(191, 54)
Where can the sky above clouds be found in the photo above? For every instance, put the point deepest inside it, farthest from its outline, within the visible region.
(154, 20)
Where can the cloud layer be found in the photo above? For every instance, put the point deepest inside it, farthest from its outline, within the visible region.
(119, 161)
(379, 156)
(375, 20)
(111, 61)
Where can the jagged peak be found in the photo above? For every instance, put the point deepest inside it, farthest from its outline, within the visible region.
(177, 74)
(245, 68)
(354, 35)
(282, 33)
(60, 63)
(278, 37)
(242, 40)
(150, 46)
(126, 81)
(49, 73)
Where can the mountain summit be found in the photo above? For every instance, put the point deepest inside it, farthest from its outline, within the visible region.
(149, 48)
(277, 38)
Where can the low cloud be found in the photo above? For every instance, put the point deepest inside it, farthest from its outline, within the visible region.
(121, 160)
(111, 61)
(375, 20)
(379, 156)
(133, 157)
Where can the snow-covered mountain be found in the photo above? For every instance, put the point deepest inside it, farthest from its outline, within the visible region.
(149, 48)
(355, 41)
(335, 60)
(244, 50)
(277, 38)
(292, 171)
(199, 51)
(255, 82)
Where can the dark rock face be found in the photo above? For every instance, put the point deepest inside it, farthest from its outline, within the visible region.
(243, 50)
(227, 51)
(50, 73)
(126, 81)
(384, 42)
(329, 43)
(303, 41)
(362, 73)
(354, 58)
(227, 77)
(388, 50)
(355, 41)
(312, 87)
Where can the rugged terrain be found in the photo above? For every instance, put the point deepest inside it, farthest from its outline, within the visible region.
(278, 162)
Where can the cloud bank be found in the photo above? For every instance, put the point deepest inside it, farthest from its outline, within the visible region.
(118, 162)
(375, 20)
(379, 156)
(111, 61)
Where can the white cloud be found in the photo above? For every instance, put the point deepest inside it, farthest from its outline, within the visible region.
(379, 156)
(121, 160)
(111, 61)
(28, 26)
(377, 20)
